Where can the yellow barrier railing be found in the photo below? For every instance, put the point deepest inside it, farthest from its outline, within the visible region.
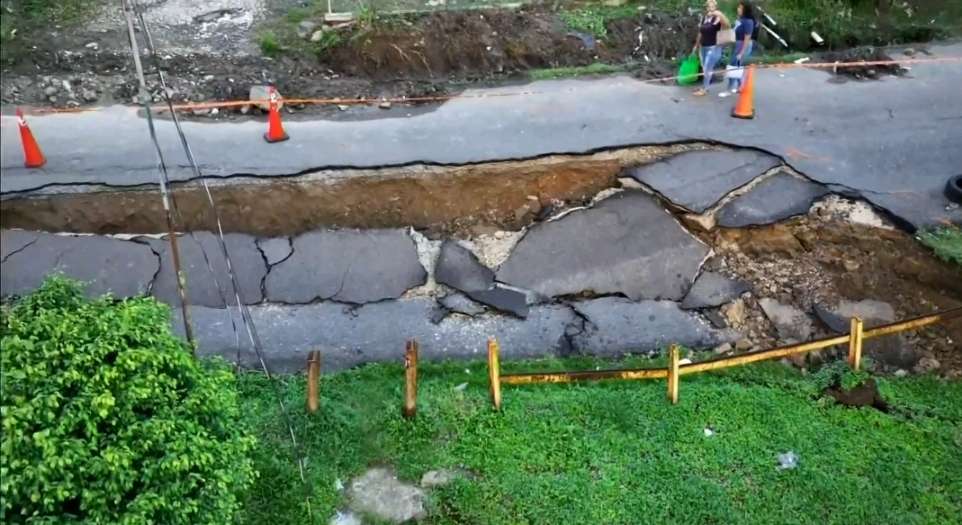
(675, 370)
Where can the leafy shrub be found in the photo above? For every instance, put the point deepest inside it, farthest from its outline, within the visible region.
(107, 418)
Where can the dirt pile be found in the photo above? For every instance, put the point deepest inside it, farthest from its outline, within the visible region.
(863, 72)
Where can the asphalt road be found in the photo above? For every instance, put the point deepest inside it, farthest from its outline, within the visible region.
(894, 141)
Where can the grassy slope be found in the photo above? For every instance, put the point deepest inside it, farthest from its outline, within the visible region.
(617, 452)
(946, 242)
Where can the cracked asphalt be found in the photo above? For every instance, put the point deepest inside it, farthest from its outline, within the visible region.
(893, 142)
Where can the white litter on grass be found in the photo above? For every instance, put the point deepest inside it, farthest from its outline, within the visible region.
(787, 461)
(684, 361)
(461, 387)
(467, 370)
(802, 60)
(709, 432)
(338, 485)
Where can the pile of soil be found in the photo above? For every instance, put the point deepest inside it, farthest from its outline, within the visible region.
(814, 260)
(432, 54)
(862, 54)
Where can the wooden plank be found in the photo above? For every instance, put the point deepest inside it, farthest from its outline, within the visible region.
(494, 372)
(855, 344)
(410, 379)
(673, 374)
(313, 380)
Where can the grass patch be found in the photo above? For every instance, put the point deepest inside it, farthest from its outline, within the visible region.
(22, 20)
(594, 19)
(946, 242)
(596, 68)
(615, 452)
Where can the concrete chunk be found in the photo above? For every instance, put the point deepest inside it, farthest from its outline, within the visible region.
(347, 265)
(713, 289)
(618, 326)
(204, 288)
(699, 179)
(779, 197)
(458, 268)
(626, 244)
(123, 268)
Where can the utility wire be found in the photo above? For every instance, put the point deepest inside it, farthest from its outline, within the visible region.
(246, 317)
(164, 182)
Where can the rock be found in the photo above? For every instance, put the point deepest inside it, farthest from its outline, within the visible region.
(245, 109)
(316, 36)
(203, 288)
(92, 46)
(345, 518)
(716, 319)
(926, 365)
(713, 289)
(776, 198)
(275, 250)
(870, 311)
(376, 332)
(123, 268)
(306, 28)
(699, 179)
(901, 372)
(504, 299)
(459, 268)
(385, 104)
(342, 107)
(89, 95)
(743, 345)
(791, 323)
(348, 266)
(50, 90)
(625, 244)
(909, 51)
(461, 304)
(439, 478)
(616, 326)
(379, 493)
(788, 460)
(262, 93)
(724, 348)
(734, 313)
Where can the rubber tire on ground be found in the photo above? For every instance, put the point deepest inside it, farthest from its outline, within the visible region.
(953, 189)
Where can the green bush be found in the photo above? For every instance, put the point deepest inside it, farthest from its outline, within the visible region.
(107, 418)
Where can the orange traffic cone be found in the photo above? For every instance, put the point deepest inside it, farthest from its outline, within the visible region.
(33, 157)
(275, 130)
(745, 107)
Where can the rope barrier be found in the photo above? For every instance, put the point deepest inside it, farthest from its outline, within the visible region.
(221, 104)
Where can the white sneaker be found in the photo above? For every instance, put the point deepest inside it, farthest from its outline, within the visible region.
(724, 94)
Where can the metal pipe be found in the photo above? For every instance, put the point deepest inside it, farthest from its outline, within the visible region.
(587, 375)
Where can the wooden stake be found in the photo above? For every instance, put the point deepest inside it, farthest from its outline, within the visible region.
(855, 344)
(673, 374)
(411, 379)
(494, 372)
(313, 378)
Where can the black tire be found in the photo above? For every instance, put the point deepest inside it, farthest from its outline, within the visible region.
(953, 189)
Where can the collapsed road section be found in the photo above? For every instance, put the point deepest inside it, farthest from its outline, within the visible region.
(601, 254)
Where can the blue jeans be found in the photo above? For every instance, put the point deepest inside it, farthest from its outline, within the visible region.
(734, 83)
(709, 57)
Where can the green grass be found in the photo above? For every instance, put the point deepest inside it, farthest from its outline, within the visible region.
(21, 20)
(946, 242)
(594, 18)
(596, 68)
(618, 452)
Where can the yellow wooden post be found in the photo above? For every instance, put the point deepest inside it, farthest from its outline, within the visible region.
(673, 374)
(313, 380)
(494, 372)
(855, 344)
(410, 378)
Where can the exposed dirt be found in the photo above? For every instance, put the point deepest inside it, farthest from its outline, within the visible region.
(478, 198)
(821, 259)
(864, 395)
(432, 54)
(862, 54)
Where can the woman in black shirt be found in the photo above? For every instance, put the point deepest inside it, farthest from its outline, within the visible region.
(707, 42)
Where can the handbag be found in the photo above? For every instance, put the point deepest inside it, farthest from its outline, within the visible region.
(734, 72)
(725, 37)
